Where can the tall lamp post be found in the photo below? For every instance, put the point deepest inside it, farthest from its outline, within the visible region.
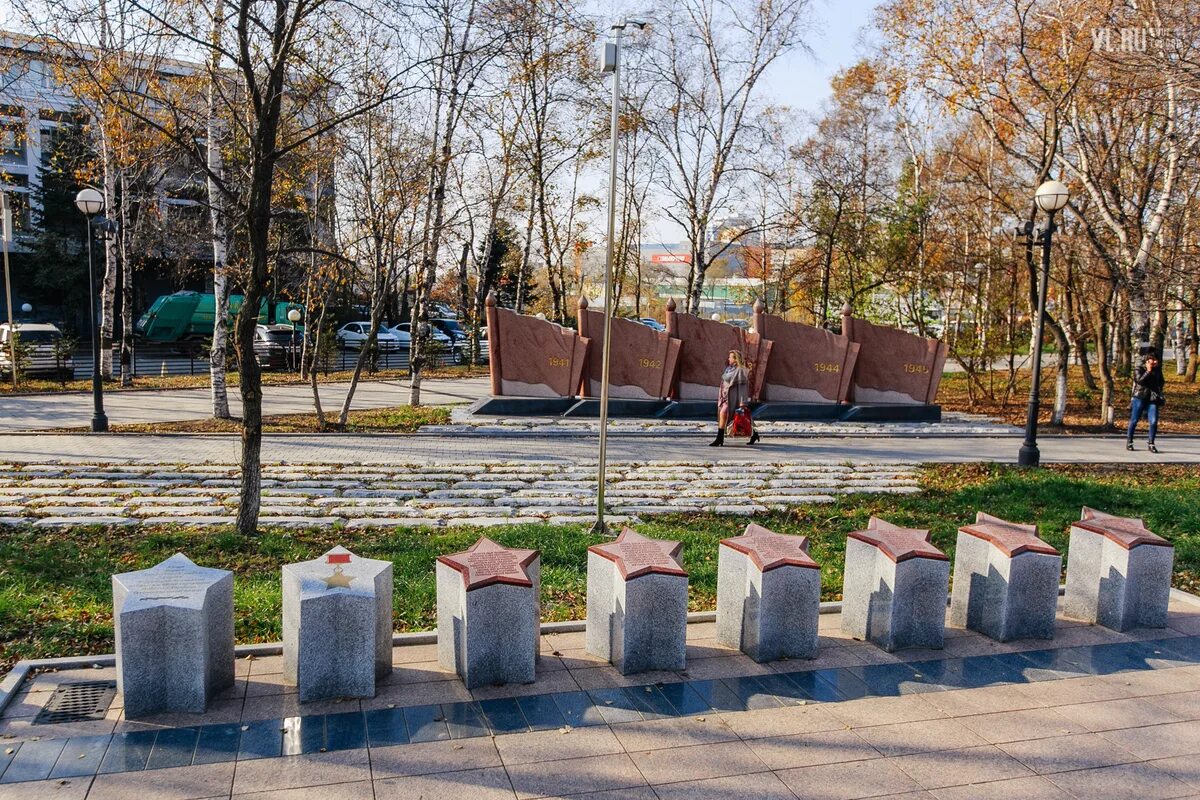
(90, 203)
(1051, 197)
(611, 63)
(6, 232)
(293, 316)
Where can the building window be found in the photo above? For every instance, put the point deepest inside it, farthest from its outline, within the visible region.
(13, 144)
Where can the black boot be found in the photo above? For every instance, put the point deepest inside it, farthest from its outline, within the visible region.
(1129, 445)
(1152, 448)
(720, 440)
(754, 437)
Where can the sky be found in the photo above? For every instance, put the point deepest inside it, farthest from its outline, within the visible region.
(801, 80)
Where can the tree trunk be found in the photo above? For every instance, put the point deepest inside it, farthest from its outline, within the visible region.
(108, 288)
(220, 337)
(126, 293)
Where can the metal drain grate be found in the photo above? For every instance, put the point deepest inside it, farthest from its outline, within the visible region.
(77, 702)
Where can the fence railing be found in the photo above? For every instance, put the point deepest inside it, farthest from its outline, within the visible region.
(156, 359)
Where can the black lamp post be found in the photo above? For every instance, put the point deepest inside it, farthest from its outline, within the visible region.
(1050, 197)
(90, 203)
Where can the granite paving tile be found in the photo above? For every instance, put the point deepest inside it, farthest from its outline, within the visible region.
(554, 745)
(1065, 753)
(849, 780)
(1015, 726)
(919, 737)
(1035, 788)
(1144, 781)
(1159, 741)
(574, 776)
(957, 767)
(697, 762)
(430, 758)
(56, 789)
(476, 784)
(180, 783)
(359, 790)
(762, 786)
(678, 732)
(811, 749)
(310, 769)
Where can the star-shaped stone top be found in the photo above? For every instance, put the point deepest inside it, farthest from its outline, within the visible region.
(176, 581)
(338, 569)
(899, 544)
(1128, 532)
(486, 562)
(769, 550)
(636, 555)
(1011, 538)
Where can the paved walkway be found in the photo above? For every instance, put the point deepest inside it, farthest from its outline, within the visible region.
(1091, 714)
(74, 409)
(393, 496)
(464, 448)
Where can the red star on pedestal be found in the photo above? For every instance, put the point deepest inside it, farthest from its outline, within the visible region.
(1012, 538)
(1129, 532)
(899, 544)
(486, 562)
(769, 550)
(636, 555)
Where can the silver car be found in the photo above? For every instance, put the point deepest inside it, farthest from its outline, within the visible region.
(40, 341)
(353, 334)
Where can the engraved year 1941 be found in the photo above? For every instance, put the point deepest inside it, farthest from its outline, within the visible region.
(916, 369)
(557, 362)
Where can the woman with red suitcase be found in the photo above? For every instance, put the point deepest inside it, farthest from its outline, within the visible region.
(732, 398)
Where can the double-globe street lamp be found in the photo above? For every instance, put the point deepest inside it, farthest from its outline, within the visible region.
(90, 202)
(1051, 197)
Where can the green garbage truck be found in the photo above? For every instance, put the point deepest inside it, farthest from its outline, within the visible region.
(187, 317)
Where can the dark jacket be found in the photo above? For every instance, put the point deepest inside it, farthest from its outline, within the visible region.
(1148, 384)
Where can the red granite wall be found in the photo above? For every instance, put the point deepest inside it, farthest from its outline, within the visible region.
(531, 357)
(642, 362)
(808, 364)
(893, 366)
(705, 354)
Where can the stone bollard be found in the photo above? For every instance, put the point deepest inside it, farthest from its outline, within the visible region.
(174, 636)
(894, 589)
(768, 595)
(489, 613)
(1118, 573)
(1005, 580)
(637, 603)
(337, 625)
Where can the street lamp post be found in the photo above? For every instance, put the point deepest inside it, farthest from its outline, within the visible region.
(1050, 197)
(611, 63)
(293, 316)
(6, 228)
(90, 203)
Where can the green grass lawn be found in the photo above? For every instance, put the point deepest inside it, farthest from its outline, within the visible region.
(55, 589)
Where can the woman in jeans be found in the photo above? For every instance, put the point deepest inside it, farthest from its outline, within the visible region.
(1148, 395)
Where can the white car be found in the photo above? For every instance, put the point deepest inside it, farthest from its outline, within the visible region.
(40, 341)
(353, 334)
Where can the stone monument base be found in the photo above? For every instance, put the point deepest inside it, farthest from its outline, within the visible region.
(589, 408)
(521, 406)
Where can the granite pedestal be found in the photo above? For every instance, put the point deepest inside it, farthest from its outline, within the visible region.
(174, 636)
(894, 588)
(637, 603)
(489, 614)
(337, 625)
(768, 595)
(1118, 573)
(1005, 580)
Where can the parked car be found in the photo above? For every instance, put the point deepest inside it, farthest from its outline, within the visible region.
(353, 334)
(277, 346)
(458, 335)
(402, 336)
(40, 339)
(649, 322)
(744, 324)
(439, 336)
(442, 310)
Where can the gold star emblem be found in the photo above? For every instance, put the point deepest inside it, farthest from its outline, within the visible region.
(338, 579)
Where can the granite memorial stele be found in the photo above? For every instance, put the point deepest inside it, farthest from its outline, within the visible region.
(174, 636)
(637, 603)
(489, 615)
(337, 625)
(768, 595)
(894, 587)
(1118, 573)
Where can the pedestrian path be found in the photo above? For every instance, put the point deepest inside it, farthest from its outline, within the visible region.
(478, 493)
(1091, 713)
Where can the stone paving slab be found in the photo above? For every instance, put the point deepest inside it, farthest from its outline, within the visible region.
(477, 494)
(1124, 723)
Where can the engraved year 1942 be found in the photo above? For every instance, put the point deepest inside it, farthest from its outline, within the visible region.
(651, 363)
